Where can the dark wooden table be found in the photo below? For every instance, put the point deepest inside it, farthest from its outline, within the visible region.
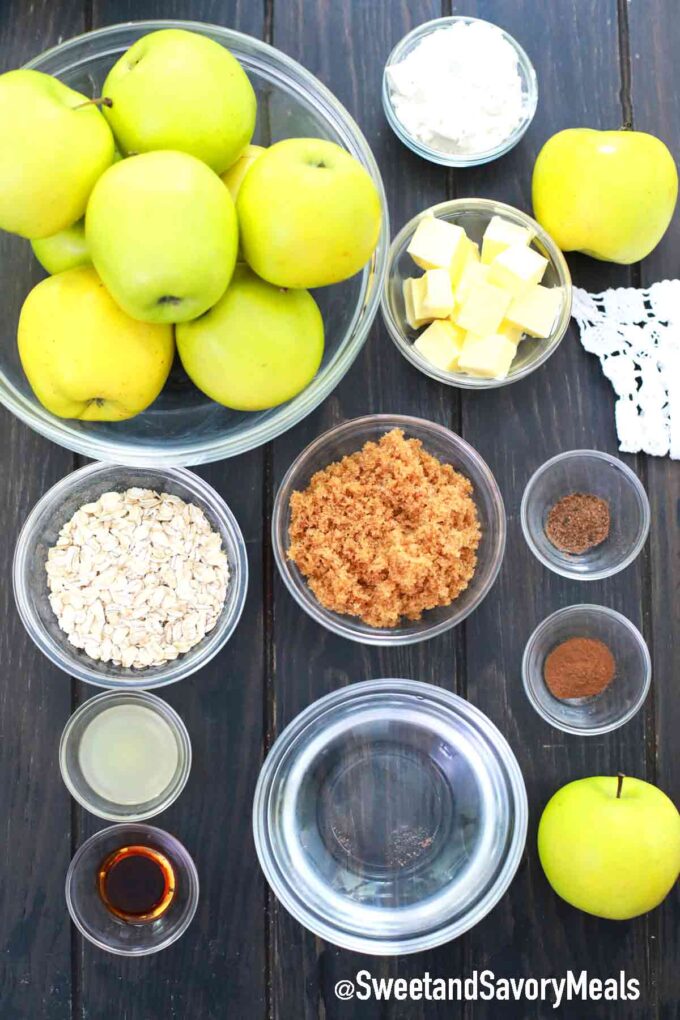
(600, 64)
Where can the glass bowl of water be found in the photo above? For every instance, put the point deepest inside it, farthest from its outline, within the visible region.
(390, 817)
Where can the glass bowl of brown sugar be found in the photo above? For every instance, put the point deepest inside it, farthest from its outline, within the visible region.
(380, 548)
(586, 670)
(585, 515)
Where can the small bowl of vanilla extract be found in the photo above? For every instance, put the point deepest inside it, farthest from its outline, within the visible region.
(132, 889)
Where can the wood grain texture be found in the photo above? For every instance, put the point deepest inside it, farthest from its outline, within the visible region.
(220, 963)
(35, 699)
(346, 44)
(565, 405)
(655, 79)
(244, 956)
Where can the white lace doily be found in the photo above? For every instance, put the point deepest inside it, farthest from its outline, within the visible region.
(636, 335)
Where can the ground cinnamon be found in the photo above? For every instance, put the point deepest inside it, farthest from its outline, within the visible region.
(579, 668)
(578, 522)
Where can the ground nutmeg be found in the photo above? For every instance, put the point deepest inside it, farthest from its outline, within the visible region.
(578, 522)
(579, 668)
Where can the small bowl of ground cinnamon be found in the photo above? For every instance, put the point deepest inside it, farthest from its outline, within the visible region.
(586, 669)
(585, 515)
(388, 529)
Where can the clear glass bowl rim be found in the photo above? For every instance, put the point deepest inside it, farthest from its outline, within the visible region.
(490, 207)
(613, 614)
(436, 155)
(324, 706)
(191, 453)
(636, 485)
(187, 861)
(183, 666)
(310, 604)
(171, 717)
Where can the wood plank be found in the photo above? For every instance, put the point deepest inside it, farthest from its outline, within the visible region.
(218, 968)
(35, 698)
(565, 405)
(346, 44)
(655, 82)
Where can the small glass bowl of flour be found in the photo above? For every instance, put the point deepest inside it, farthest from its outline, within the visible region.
(459, 91)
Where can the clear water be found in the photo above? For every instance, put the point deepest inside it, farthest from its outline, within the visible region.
(390, 815)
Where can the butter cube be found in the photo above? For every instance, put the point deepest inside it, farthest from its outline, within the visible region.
(487, 356)
(470, 255)
(410, 286)
(501, 234)
(512, 332)
(434, 298)
(483, 309)
(437, 244)
(534, 311)
(473, 273)
(517, 269)
(441, 344)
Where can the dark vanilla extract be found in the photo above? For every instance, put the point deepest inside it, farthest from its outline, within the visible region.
(137, 883)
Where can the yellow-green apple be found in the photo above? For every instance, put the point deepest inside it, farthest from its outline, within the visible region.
(609, 194)
(233, 177)
(162, 233)
(309, 214)
(64, 250)
(54, 144)
(610, 845)
(83, 356)
(175, 89)
(259, 346)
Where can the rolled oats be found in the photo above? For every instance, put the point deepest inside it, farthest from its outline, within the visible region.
(137, 578)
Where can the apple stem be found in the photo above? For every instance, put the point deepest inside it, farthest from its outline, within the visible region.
(99, 101)
(621, 776)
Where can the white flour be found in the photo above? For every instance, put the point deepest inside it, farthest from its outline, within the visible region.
(459, 90)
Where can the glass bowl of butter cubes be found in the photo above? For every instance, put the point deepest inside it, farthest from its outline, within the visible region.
(477, 294)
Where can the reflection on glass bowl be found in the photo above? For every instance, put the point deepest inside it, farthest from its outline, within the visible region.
(183, 426)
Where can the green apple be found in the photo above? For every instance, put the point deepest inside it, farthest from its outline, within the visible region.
(64, 250)
(162, 233)
(309, 214)
(233, 177)
(83, 356)
(181, 90)
(609, 194)
(259, 346)
(54, 144)
(610, 845)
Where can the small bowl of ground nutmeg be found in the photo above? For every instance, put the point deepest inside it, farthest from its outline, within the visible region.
(585, 515)
(388, 529)
(586, 669)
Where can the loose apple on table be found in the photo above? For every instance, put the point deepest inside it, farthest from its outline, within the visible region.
(610, 845)
(609, 194)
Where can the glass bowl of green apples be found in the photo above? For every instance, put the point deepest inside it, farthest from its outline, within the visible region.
(178, 326)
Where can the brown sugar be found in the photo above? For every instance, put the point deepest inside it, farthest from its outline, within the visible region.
(578, 522)
(579, 668)
(386, 533)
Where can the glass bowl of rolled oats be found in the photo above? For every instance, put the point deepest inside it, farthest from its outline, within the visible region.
(130, 577)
